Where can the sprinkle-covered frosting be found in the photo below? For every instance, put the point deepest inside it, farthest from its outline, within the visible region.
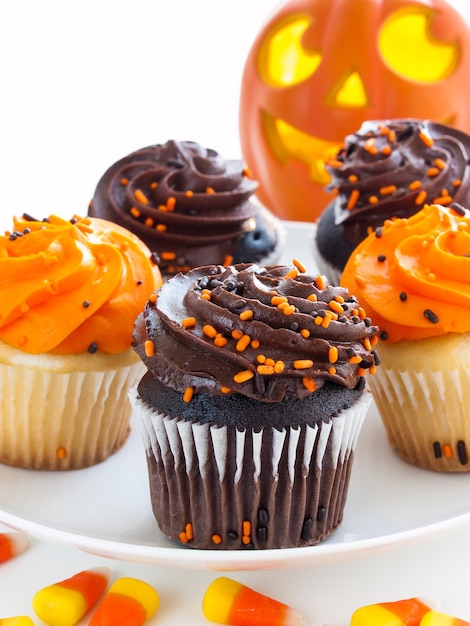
(412, 274)
(267, 333)
(188, 204)
(72, 286)
(392, 168)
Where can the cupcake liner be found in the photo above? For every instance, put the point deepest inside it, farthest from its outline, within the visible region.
(54, 419)
(426, 415)
(223, 488)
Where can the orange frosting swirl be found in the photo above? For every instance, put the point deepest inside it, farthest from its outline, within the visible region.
(413, 275)
(68, 287)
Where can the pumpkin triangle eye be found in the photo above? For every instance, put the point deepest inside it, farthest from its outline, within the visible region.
(350, 92)
(282, 60)
(419, 57)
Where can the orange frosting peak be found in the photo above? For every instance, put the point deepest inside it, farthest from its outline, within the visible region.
(413, 275)
(68, 287)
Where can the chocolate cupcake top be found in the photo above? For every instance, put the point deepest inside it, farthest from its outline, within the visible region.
(392, 168)
(267, 333)
(186, 202)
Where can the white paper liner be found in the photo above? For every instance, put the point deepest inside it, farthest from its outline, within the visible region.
(199, 448)
(56, 420)
(426, 415)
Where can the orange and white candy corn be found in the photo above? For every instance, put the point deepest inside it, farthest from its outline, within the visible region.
(128, 602)
(12, 544)
(227, 601)
(65, 603)
(400, 613)
(434, 618)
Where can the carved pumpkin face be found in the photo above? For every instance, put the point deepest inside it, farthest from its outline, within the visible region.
(319, 68)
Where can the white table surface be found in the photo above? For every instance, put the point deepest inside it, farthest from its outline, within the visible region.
(82, 84)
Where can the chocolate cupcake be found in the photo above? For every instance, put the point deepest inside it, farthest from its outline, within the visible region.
(388, 169)
(190, 206)
(252, 404)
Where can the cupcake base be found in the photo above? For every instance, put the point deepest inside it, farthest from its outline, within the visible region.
(426, 409)
(64, 412)
(224, 488)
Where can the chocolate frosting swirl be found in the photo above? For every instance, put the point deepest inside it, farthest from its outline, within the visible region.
(186, 202)
(392, 168)
(267, 333)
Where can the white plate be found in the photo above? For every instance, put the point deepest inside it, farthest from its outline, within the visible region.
(106, 509)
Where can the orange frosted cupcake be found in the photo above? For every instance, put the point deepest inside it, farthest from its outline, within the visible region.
(412, 275)
(70, 292)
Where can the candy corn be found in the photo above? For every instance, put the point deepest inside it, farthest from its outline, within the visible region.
(66, 602)
(229, 602)
(12, 544)
(21, 620)
(128, 602)
(434, 618)
(400, 613)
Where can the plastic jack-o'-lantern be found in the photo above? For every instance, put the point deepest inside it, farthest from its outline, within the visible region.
(319, 68)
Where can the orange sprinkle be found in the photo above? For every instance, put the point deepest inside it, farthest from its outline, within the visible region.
(305, 333)
(289, 310)
(318, 320)
(228, 260)
(352, 200)
(320, 282)
(293, 273)
(426, 139)
(335, 306)
(246, 539)
(386, 150)
(246, 527)
(373, 199)
(370, 145)
(149, 222)
(416, 184)
(265, 370)
(440, 163)
(276, 300)
(162, 207)
(140, 196)
(168, 256)
(457, 182)
(189, 531)
(392, 136)
(247, 172)
(335, 163)
(153, 297)
(353, 178)
(161, 227)
(243, 343)
(220, 341)
(332, 370)
(261, 358)
(153, 185)
(309, 383)
(183, 537)
(372, 369)
(326, 321)
(361, 371)
(246, 315)
(243, 376)
(432, 171)
(279, 367)
(237, 333)
(312, 297)
(354, 359)
(124, 181)
(421, 197)
(135, 212)
(225, 389)
(333, 354)
(447, 451)
(61, 453)
(209, 190)
(282, 305)
(339, 299)
(302, 364)
(217, 539)
(170, 203)
(255, 343)
(188, 193)
(209, 331)
(366, 344)
(444, 199)
(205, 296)
(300, 266)
(188, 322)
(188, 394)
(387, 190)
(149, 348)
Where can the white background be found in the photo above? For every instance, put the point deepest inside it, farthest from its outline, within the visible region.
(81, 85)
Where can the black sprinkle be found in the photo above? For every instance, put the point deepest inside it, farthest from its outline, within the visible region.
(361, 384)
(270, 387)
(321, 514)
(403, 296)
(381, 258)
(139, 282)
(12, 237)
(367, 321)
(378, 232)
(155, 258)
(436, 446)
(383, 335)
(92, 348)
(262, 533)
(458, 208)
(295, 326)
(462, 452)
(306, 529)
(431, 316)
(85, 304)
(376, 357)
(232, 535)
(263, 516)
